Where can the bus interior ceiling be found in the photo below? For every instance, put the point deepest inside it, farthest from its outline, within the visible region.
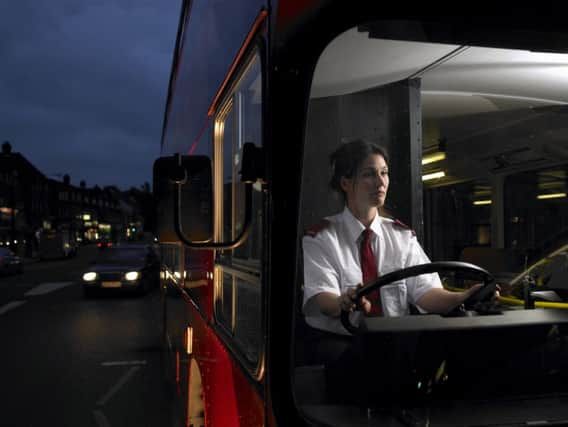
(494, 113)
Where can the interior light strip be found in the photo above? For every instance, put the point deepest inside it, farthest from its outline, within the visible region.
(432, 158)
(551, 196)
(434, 175)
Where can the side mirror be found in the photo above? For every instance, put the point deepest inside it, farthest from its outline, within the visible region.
(184, 195)
(187, 178)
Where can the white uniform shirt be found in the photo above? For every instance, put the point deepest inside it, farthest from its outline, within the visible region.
(332, 264)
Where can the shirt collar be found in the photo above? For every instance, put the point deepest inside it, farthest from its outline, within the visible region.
(355, 227)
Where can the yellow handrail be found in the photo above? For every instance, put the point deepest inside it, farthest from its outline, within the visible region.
(516, 301)
(538, 304)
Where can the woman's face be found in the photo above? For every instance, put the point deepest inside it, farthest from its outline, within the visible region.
(368, 188)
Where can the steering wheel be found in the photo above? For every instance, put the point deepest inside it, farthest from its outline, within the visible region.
(472, 271)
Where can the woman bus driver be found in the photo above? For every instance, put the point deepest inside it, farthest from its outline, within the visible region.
(338, 258)
(333, 250)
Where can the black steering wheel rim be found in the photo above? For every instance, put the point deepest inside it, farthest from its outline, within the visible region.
(471, 270)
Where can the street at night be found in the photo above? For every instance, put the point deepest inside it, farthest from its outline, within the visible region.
(71, 361)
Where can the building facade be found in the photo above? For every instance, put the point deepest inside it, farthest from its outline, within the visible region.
(33, 205)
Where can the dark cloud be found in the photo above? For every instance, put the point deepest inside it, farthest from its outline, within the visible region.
(83, 85)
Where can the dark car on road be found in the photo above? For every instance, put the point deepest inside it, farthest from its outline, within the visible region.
(133, 268)
(10, 263)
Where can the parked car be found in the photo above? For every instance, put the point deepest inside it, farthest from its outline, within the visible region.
(123, 268)
(10, 263)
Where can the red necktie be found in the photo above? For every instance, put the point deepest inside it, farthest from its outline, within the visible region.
(369, 270)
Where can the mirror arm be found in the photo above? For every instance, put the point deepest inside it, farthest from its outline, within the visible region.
(208, 244)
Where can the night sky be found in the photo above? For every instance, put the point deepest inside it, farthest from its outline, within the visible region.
(83, 85)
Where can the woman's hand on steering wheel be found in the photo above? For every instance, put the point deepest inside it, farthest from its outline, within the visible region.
(348, 301)
(477, 293)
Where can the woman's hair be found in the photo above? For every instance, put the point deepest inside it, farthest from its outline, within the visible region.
(347, 158)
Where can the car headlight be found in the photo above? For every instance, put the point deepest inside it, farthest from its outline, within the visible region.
(132, 275)
(90, 276)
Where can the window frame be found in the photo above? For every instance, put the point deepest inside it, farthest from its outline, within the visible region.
(225, 328)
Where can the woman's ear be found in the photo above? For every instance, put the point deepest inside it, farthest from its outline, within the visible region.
(345, 183)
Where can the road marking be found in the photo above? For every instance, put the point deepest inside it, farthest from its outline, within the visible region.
(46, 288)
(10, 306)
(101, 419)
(123, 380)
(124, 363)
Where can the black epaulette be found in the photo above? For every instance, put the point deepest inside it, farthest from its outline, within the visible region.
(315, 229)
(401, 224)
